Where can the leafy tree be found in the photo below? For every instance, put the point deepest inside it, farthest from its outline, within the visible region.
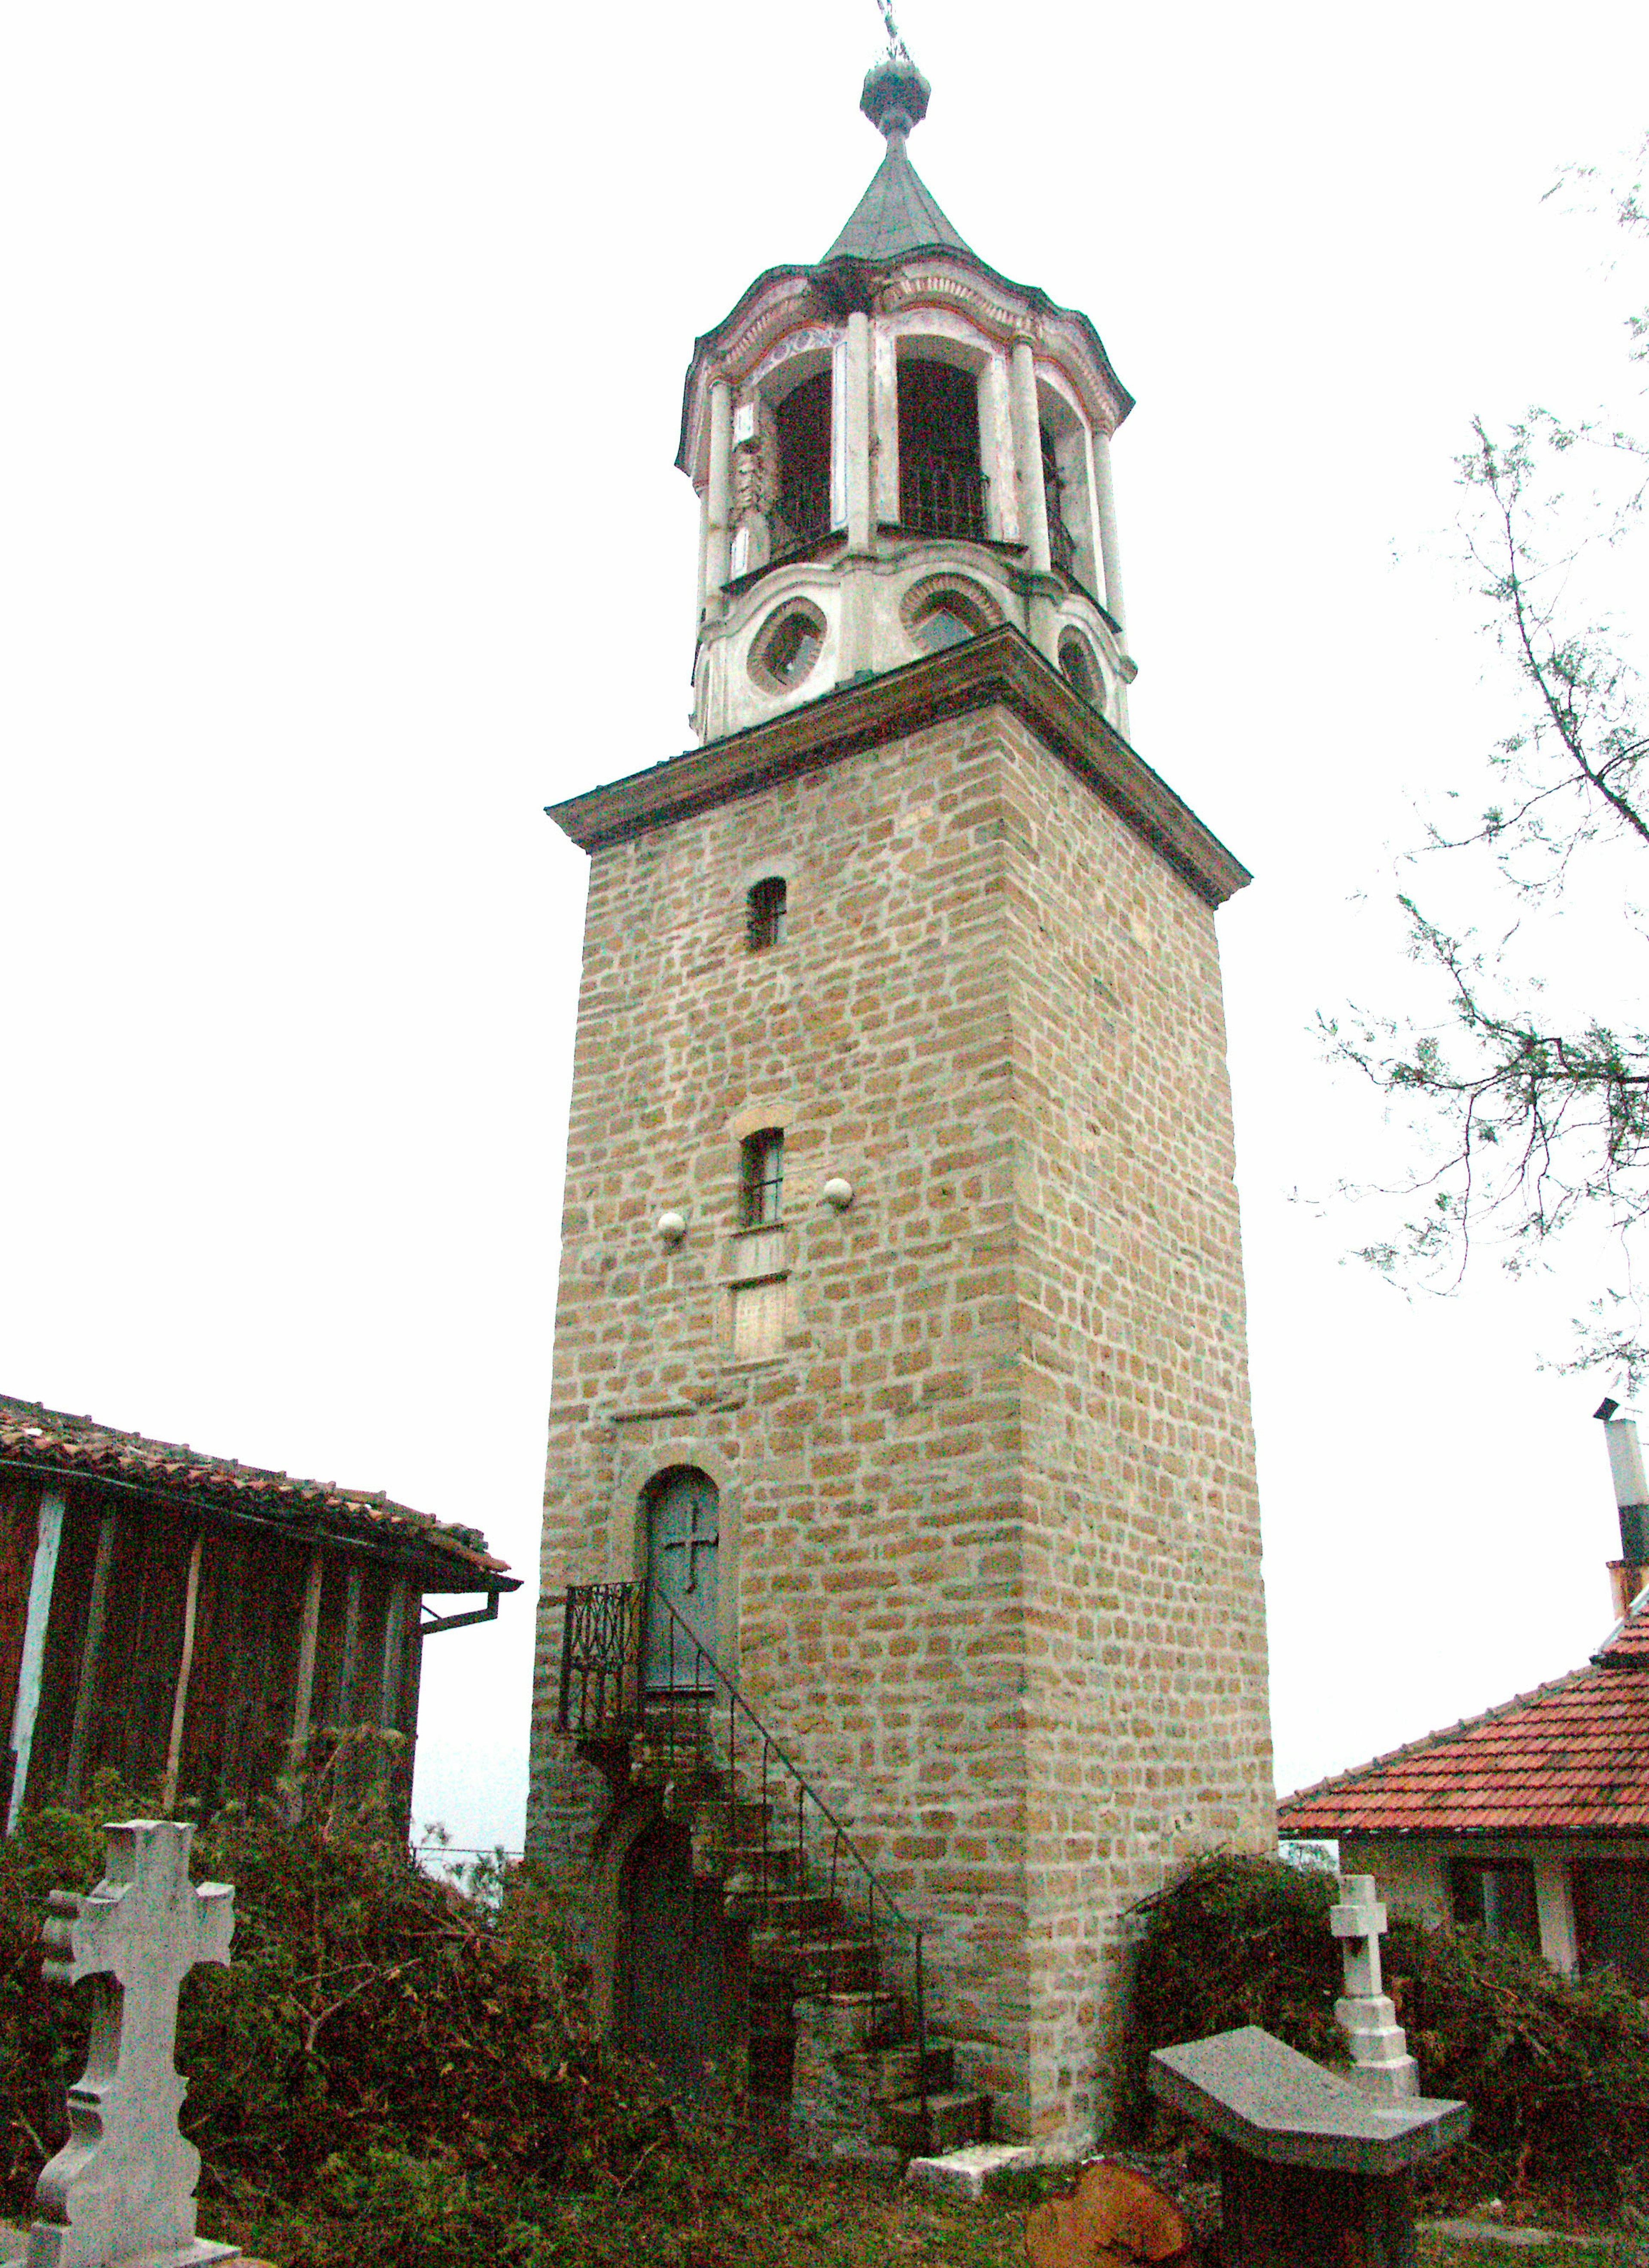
(1533, 1116)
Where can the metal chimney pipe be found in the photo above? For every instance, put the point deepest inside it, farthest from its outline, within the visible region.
(1629, 1574)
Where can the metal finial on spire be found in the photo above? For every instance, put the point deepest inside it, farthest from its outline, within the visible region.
(895, 96)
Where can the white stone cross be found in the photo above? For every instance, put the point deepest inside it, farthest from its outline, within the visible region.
(1380, 2052)
(123, 2186)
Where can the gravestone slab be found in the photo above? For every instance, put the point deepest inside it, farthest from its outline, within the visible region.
(121, 2192)
(1308, 2160)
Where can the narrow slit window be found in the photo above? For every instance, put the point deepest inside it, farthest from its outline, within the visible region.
(761, 1177)
(764, 914)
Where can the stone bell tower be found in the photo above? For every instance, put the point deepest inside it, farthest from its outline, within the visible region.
(900, 1406)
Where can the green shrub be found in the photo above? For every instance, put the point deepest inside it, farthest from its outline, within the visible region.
(1233, 1941)
(383, 2048)
(1556, 2069)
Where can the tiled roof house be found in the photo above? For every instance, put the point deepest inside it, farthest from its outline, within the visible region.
(191, 1621)
(1533, 1817)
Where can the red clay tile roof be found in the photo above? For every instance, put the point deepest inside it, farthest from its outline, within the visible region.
(1570, 1757)
(52, 1442)
(1627, 1644)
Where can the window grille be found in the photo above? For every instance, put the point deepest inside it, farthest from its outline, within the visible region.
(761, 1177)
(764, 914)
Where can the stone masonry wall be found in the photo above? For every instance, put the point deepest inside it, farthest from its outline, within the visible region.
(1145, 1692)
(989, 1541)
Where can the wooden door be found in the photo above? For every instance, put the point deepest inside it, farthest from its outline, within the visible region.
(683, 1535)
(677, 2001)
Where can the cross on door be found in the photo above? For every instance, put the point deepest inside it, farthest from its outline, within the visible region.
(123, 2184)
(693, 1542)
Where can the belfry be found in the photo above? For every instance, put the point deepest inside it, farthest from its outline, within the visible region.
(901, 1621)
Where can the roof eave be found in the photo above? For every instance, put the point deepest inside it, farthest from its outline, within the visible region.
(1001, 667)
(823, 273)
(404, 1546)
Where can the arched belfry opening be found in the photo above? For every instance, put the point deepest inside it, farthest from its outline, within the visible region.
(802, 508)
(941, 481)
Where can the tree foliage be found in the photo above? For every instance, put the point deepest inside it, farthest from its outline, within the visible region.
(1533, 1117)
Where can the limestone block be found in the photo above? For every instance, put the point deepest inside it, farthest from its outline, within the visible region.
(968, 2173)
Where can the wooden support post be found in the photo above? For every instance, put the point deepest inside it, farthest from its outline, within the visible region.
(393, 1689)
(350, 1666)
(31, 1669)
(304, 1688)
(350, 1768)
(186, 1662)
(91, 1658)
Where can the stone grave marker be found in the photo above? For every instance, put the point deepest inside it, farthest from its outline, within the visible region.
(1312, 2168)
(1380, 2049)
(121, 2189)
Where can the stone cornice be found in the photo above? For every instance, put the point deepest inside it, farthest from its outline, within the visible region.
(1001, 669)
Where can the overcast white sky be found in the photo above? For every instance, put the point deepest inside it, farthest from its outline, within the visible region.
(339, 533)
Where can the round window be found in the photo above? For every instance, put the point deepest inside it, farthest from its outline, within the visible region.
(1076, 665)
(945, 625)
(788, 645)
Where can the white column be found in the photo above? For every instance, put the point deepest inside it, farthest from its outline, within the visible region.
(1003, 521)
(1554, 1905)
(884, 425)
(838, 434)
(48, 1535)
(858, 433)
(1110, 557)
(1027, 449)
(718, 496)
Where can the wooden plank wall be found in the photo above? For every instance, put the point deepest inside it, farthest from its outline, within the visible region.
(237, 1725)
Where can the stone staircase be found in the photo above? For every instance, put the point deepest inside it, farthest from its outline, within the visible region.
(834, 2056)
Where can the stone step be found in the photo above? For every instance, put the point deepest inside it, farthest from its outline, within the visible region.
(818, 1966)
(747, 1866)
(798, 1912)
(866, 2020)
(954, 2120)
(895, 2070)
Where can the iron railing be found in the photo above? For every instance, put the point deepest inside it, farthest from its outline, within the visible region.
(618, 1683)
(801, 514)
(938, 497)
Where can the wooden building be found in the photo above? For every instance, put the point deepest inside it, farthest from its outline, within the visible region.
(190, 1622)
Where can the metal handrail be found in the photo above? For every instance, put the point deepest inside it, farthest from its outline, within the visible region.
(801, 514)
(616, 1612)
(938, 496)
